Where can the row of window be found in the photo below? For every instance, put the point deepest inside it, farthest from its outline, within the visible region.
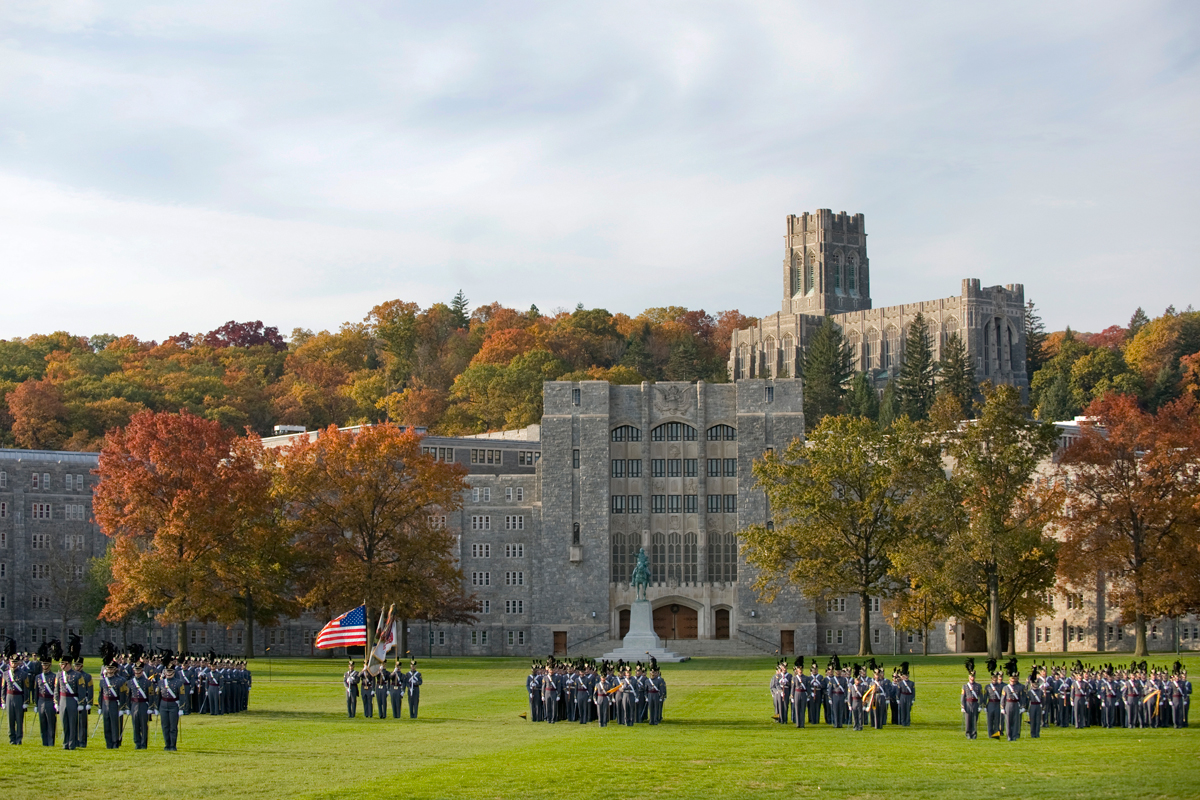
(40, 481)
(440, 453)
(479, 637)
(525, 458)
(674, 467)
(487, 456)
(512, 578)
(483, 494)
(71, 511)
(485, 551)
(674, 504)
(673, 432)
(483, 522)
(674, 557)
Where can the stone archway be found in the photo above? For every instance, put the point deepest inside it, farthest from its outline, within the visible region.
(675, 621)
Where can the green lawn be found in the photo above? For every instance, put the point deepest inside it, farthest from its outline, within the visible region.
(717, 740)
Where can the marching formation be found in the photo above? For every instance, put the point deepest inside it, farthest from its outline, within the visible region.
(1132, 696)
(376, 685)
(855, 695)
(580, 692)
(133, 687)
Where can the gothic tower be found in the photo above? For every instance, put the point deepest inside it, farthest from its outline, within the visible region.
(825, 268)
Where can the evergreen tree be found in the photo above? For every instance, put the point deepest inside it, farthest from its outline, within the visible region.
(1055, 402)
(686, 362)
(889, 406)
(1137, 322)
(459, 306)
(915, 386)
(826, 370)
(862, 400)
(1035, 340)
(956, 374)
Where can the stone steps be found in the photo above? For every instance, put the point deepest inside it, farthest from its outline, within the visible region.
(693, 648)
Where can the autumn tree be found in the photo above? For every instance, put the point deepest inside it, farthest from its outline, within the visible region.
(915, 608)
(39, 417)
(982, 513)
(365, 507)
(170, 500)
(1132, 511)
(838, 503)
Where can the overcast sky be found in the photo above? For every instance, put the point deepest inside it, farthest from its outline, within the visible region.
(172, 166)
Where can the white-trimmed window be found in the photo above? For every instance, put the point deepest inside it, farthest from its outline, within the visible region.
(4, 570)
(481, 579)
(35, 481)
(70, 483)
(40, 602)
(481, 551)
(79, 484)
(514, 606)
(514, 522)
(514, 579)
(479, 637)
(481, 522)
(3, 510)
(3, 479)
(873, 604)
(76, 511)
(437, 638)
(41, 511)
(41, 541)
(839, 635)
(835, 604)
(516, 637)
(829, 636)
(487, 606)
(437, 522)
(875, 636)
(514, 551)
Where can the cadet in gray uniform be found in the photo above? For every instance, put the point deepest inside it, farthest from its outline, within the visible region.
(604, 694)
(350, 681)
(656, 693)
(855, 692)
(799, 693)
(141, 693)
(382, 681)
(86, 695)
(367, 686)
(44, 691)
(114, 698)
(971, 697)
(171, 690)
(1014, 705)
(1036, 702)
(413, 681)
(816, 694)
(396, 689)
(995, 692)
(15, 690)
(906, 695)
(67, 689)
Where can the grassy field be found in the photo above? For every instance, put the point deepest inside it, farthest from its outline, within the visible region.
(717, 740)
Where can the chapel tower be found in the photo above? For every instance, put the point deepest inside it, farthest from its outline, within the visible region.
(825, 267)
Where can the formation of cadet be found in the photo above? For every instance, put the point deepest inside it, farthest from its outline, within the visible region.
(854, 695)
(132, 689)
(382, 687)
(1131, 696)
(580, 691)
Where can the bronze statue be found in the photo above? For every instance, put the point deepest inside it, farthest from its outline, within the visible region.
(641, 574)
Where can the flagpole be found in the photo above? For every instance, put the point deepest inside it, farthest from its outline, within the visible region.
(367, 625)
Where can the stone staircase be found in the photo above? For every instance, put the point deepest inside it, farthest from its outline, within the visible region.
(693, 648)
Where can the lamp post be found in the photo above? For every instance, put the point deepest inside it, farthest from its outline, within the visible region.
(269, 675)
(895, 633)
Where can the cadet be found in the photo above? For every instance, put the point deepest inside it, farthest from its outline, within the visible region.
(114, 698)
(86, 695)
(382, 680)
(44, 692)
(350, 681)
(15, 691)
(141, 701)
(995, 692)
(816, 694)
(777, 692)
(583, 695)
(880, 692)
(367, 686)
(396, 689)
(533, 687)
(67, 690)
(906, 695)
(855, 692)
(972, 694)
(604, 694)
(1014, 702)
(656, 693)
(171, 690)
(799, 692)
(1036, 700)
(212, 680)
(413, 681)
(836, 688)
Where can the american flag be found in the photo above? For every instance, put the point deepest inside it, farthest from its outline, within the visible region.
(348, 630)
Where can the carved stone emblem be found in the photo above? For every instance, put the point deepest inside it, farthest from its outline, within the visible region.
(672, 399)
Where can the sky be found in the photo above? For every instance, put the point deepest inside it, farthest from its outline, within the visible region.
(167, 167)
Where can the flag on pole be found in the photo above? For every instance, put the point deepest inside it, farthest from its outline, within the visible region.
(348, 630)
(385, 638)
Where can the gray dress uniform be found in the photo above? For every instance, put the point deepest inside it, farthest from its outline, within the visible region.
(549, 698)
(86, 695)
(414, 681)
(1014, 706)
(799, 698)
(837, 700)
(604, 700)
(141, 694)
(114, 704)
(816, 696)
(906, 695)
(367, 684)
(855, 692)
(350, 681)
(16, 689)
(583, 699)
(656, 693)
(44, 690)
(171, 691)
(396, 691)
(382, 681)
(994, 700)
(533, 687)
(68, 690)
(212, 684)
(972, 696)
(1036, 702)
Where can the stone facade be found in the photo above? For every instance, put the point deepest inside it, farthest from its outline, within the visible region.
(826, 273)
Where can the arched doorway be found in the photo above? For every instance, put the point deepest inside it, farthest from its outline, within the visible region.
(721, 623)
(623, 623)
(674, 621)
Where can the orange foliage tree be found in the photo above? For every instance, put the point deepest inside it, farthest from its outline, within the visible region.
(1133, 511)
(177, 495)
(367, 508)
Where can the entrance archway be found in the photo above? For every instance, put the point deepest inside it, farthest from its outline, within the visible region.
(674, 621)
(721, 623)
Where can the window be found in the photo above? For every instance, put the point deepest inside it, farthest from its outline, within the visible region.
(516, 637)
(514, 551)
(627, 433)
(1153, 631)
(481, 495)
(482, 522)
(77, 571)
(527, 458)
(514, 522)
(486, 457)
(508, 494)
(730, 467)
(731, 504)
(437, 522)
(479, 637)
(3, 569)
(839, 635)
(41, 541)
(3, 510)
(575, 397)
(674, 468)
(658, 468)
(770, 394)
(673, 432)
(714, 504)
(201, 636)
(3, 480)
(714, 468)
(41, 511)
(70, 482)
(35, 481)
(674, 503)
(829, 637)
(41, 572)
(674, 557)
(514, 579)
(658, 504)
(718, 433)
(910, 637)
(635, 467)
(514, 606)
(689, 504)
(658, 557)
(690, 559)
(635, 504)
(875, 636)
(835, 604)
(520, 494)
(1108, 636)
(1038, 634)
(481, 579)
(618, 468)
(481, 551)
(1070, 633)
(75, 511)
(487, 606)
(873, 604)
(437, 638)
(3, 601)
(39, 602)
(689, 468)
(722, 557)
(575, 459)
(618, 504)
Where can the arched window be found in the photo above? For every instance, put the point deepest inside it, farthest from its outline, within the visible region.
(797, 271)
(722, 557)
(770, 357)
(871, 349)
(673, 432)
(787, 357)
(658, 558)
(675, 557)
(891, 347)
(689, 558)
(852, 275)
(719, 433)
(811, 283)
(949, 328)
(620, 567)
(627, 433)
(855, 346)
(837, 273)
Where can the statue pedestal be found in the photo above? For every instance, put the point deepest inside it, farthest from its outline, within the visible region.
(642, 642)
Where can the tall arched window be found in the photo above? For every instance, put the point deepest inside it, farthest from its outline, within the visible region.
(852, 275)
(673, 432)
(949, 328)
(853, 342)
(891, 347)
(722, 557)
(797, 272)
(787, 357)
(810, 283)
(838, 265)
(675, 557)
(658, 558)
(871, 350)
(620, 567)
(718, 433)
(690, 559)
(626, 433)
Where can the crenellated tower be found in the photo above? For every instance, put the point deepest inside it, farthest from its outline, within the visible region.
(825, 266)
